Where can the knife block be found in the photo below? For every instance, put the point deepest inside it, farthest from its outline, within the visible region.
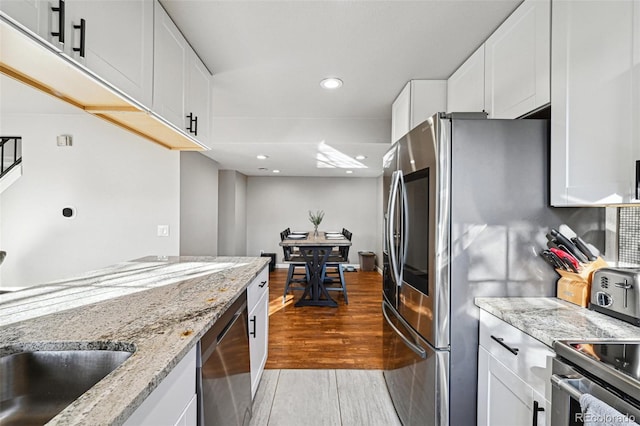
(575, 287)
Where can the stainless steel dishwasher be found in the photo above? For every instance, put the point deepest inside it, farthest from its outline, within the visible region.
(223, 370)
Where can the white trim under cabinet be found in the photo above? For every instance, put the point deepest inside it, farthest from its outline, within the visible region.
(595, 131)
(258, 307)
(465, 87)
(517, 55)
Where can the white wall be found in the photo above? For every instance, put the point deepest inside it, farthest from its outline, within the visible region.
(122, 187)
(232, 213)
(276, 203)
(198, 205)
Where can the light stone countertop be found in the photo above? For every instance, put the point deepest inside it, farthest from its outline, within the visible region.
(176, 300)
(548, 319)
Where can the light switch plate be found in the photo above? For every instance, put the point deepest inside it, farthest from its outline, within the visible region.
(163, 230)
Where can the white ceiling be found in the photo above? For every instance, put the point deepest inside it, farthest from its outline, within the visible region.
(268, 57)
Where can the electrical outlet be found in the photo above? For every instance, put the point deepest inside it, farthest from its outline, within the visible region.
(163, 230)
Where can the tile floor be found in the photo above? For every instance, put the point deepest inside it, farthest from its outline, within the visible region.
(323, 397)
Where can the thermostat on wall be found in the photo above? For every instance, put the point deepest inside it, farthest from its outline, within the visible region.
(69, 212)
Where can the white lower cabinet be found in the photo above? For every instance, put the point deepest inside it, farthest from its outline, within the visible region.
(513, 376)
(258, 306)
(174, 401)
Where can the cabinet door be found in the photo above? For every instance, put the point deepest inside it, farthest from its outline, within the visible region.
(465, 87)
(401, 113)
(169, 76)
(198, 99)
(33, 14)
(503, 398)
(427, 98)
(594, 141)
(118, 42)
(258, 340)
(517, 62)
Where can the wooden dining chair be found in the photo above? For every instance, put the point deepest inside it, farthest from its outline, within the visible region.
(297, 273)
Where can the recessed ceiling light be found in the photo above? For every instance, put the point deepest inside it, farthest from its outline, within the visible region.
(276, 171)
(349, 172)
(331, 83)
(262, 157)
(360, 157)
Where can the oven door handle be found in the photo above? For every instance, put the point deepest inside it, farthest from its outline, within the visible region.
(567, 386)
(415, 348)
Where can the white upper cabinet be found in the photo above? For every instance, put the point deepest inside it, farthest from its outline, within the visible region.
(181, 82)
(198, 99)
(465, 87)
(517, 68)
(418, 100)
(114, 39)
(595, 130)
(33, 14)
(169, 77)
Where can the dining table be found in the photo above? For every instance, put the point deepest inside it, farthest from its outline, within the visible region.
(316, 250)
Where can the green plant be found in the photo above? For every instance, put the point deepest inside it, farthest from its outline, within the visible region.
(316, 218)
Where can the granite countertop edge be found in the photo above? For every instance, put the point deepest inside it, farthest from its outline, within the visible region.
(549, 319)
(162, 324)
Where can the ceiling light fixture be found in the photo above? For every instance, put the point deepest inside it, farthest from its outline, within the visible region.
(276, 171)
(262, 157)
(331, 83)
(360, 157)
(349, 172)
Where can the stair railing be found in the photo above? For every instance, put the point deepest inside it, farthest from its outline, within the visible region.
(10, 153)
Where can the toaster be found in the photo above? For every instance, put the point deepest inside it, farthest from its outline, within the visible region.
(616, 292)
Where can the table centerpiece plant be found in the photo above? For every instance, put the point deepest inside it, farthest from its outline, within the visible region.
(316, 219)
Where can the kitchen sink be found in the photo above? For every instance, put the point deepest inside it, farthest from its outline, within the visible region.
(35, 386)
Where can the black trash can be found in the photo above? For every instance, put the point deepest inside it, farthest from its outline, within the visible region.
(272, 263)
(367, 260)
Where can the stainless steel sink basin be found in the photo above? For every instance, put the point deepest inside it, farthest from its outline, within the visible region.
(35, 386)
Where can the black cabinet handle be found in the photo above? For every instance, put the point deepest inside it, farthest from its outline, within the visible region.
(253, 321)
(60, 10)
(638, 180)
(536, 409)
(82, 27)
(192, 127)
(262, 284)
(500, 340)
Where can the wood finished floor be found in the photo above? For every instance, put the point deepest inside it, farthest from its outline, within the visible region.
(309, 337)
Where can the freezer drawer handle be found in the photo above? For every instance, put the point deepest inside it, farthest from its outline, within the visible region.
(415, 348)
(500, 340)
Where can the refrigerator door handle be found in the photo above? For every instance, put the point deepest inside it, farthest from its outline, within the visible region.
(390, 229)
(404, 227)
(415, 348)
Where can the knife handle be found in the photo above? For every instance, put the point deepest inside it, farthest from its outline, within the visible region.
(570, 247)
(582, 246)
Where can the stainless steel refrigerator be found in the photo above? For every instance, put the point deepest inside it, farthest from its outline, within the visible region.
(466, 216)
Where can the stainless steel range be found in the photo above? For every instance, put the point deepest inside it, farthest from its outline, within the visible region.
(609, 371)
